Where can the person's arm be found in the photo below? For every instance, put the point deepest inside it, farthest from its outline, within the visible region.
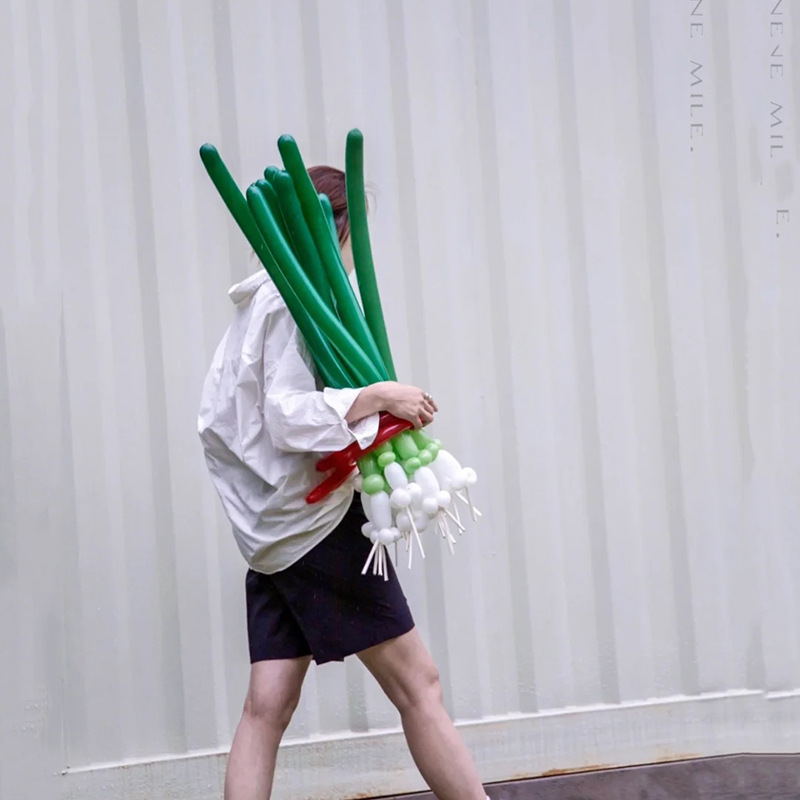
(400, 399)
(300, 418)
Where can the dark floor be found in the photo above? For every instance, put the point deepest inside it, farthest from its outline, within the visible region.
(741, 777)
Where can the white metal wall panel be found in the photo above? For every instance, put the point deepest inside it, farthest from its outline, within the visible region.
(587, 237)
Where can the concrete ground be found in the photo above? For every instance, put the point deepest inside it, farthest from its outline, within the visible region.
(740, 777)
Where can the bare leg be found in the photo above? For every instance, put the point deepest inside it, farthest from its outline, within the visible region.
(271, 700)
(407, 674)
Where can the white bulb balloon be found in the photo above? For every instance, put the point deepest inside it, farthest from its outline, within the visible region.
(457, 483)
(400, 498)
(445, 467)
(404, 521)
(381, 510)
(430, 506)
(427, 482)
(395, 476)
(365, 505)
(385, 536)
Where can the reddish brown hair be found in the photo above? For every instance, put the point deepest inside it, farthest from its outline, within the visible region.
(331, 181)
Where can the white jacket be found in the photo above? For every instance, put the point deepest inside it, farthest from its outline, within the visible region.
(263, 423)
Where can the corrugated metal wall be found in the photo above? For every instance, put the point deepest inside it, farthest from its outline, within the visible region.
(587, 238)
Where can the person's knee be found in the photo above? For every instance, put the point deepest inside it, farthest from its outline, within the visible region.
(271, 708)
(421, 690)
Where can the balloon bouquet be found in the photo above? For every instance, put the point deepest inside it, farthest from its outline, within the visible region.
(408, 482)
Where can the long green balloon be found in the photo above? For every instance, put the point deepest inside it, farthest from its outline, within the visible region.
(359, 364)
(333, 374)
(327, 210)
(346, 303)
(304, 245)
(270, 173)
(362, 251)
(231, 196)
(272, 201)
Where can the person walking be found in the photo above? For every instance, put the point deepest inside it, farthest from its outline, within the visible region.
(263, 422)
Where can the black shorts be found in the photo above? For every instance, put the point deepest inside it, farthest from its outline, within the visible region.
(322, 605)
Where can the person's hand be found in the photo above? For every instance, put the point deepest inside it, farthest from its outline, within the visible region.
(409, 402)
(403, 401)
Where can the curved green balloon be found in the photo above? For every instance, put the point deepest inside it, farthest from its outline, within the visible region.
(346, 303)
(272, 201)
(231, 196)
(372, 474)
(327, 210)
(411, 465)
(362, 369)
(362, 251)
(270, 173)
(304, 245)
(330, 369)
(404, 446)
(385, 455)
(421, 439)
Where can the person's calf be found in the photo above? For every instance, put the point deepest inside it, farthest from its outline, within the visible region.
(272, 697)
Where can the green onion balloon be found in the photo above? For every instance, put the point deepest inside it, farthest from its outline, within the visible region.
(409, 483)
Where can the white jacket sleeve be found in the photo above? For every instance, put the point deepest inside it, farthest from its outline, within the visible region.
(299, 417)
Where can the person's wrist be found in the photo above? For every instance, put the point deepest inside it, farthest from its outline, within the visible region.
(375, 396)
(381, 395)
